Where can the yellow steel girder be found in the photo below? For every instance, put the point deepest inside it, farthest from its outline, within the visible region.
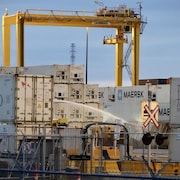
(94, 21)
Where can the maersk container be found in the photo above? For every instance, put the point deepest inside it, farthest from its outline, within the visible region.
(130, 112)
(132, 94)
(91, 93)
(7, 98)
(160, 93)
(61, 92)
(106, 94)
(76, 93)
(33, 99)
(174, 144)
(7, 138)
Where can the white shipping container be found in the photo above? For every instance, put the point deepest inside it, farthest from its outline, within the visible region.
(34, 130)
(76, 74)
(7, 98)
(174, 144)
(61, 73)
(91, 93)
(61, 91)
(160, 93)
(8, 70)
(7, 138)
(60, 110)
(175, 102)
(132, 94)
(92, 113)
(76, 111)
(33, 99)
(76, 93)
(106, 94)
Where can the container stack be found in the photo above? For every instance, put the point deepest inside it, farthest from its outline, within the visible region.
(41, 95)
(128, 102)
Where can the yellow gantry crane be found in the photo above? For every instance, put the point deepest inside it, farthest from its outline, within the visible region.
(123, 19)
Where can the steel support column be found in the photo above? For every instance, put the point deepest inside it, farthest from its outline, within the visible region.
(119, 60)
(20, 39)
(135, 53)
(5, 41)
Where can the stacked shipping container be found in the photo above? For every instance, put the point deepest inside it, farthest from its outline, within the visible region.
(64, 90)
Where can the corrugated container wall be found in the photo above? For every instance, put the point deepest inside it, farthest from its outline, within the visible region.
(61, 73)
(25, 99)
(161, 94)
(8, 138)
(33, 99)
(7, 98)
(91, 93)
(61, 92)
(123, 102)
(60, 110)
(175, 103)
(76, 93)
(76, 74)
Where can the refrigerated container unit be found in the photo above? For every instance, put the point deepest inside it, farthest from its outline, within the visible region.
(61, 92)
(76, 74)
(91, 93)
(61, 73)
(33, 99)
(26, 99)
(60, 110)
(76, 93)
(92, 113)
(106, 94)
(76, 115)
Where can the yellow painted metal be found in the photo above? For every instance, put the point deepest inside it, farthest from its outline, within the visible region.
(20, 39)
(135, 53)
(5, 41)
(119, 61)
(60, 18)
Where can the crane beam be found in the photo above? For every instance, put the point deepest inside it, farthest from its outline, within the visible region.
(76, 20)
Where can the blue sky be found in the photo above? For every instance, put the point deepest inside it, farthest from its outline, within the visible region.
(160, 42)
